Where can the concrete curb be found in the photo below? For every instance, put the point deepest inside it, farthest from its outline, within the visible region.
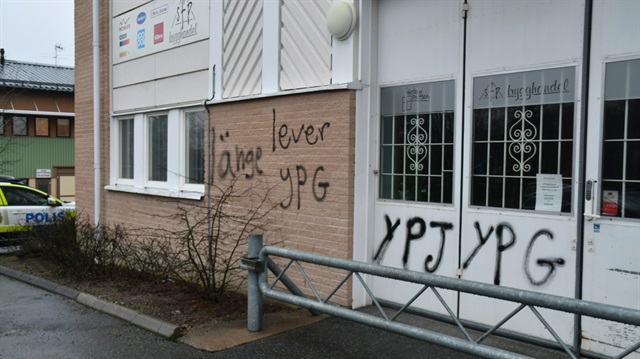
(146, 322)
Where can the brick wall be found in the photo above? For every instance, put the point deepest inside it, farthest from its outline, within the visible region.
(84, 142)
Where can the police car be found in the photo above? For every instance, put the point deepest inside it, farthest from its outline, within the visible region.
(22, 207)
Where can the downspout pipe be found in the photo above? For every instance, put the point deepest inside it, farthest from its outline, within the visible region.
(584, 111)
(96, 112)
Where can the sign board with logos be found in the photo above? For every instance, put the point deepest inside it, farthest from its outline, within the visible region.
(158, 26)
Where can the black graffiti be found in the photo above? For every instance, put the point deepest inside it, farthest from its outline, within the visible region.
(285, 136)
(411, 236)
(416, 229)
(301, 180)
(386, 240)
(444, 226)
(482, 239)
(550, 263)
(501, 233)
(501, 246)
(238, 161)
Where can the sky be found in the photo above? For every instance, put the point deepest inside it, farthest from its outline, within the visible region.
(31, 29)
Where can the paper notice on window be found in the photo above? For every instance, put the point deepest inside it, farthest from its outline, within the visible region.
(548, 192)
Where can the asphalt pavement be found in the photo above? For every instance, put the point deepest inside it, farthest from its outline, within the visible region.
(54, 323)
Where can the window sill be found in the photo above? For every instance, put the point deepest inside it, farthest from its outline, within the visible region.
(162, 192)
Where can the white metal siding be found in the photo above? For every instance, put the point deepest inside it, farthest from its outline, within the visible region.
(306, 44)
(242, 48)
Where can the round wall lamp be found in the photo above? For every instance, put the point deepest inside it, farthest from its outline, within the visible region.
(342, 19)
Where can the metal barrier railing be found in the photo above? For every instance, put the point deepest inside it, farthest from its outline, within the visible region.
(259, 286)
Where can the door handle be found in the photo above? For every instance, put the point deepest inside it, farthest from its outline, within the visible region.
(590, 197)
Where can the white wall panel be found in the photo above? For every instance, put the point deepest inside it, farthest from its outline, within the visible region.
(184, 59)
(182, 89)
(418, 40)
(242, 46)
(306, 44)
(133, 97)
(523, 34)
(121, 6)
(186, 88)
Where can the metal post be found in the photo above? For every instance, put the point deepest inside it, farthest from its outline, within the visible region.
(254, 295)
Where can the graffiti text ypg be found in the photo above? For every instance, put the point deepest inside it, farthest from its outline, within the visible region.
(505, 235)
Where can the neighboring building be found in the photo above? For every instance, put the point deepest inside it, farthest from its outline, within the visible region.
(495, 141)
(37, 125)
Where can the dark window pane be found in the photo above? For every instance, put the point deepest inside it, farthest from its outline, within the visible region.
(478, 191)
(448, 157)
(127, 138)
(495, 192)
(195, 147)
(398, 137)
(423, 186)
(610, 201)
(480, 158)
(496, 156)
(435, 133)
(633, 160)
(612, 165)
(632, 200)
(386, 159)
(497, 124)
(480, 124)
(435, 189)
(512, 193)
(614, 119)
(436, 159)
(447, 189)
(398, 187)
(398, 159)
(385, 187)
(566, 159)
(633, 125)
(449, 127)
(567, 121)
(528, 193)
(387, 130)
(410, 188)
(550, 122)
(566, 196)
(158, 148)
(549, 157)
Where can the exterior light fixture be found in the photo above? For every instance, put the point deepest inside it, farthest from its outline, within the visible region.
(342, 19)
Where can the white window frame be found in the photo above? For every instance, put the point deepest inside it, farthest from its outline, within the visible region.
(175, 185)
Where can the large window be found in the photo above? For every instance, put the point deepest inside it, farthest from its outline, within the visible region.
(621, 141)
(160, 154)
(126, 137)
(416, 151)
(195, 147)
(158, 148)
(523, 140)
